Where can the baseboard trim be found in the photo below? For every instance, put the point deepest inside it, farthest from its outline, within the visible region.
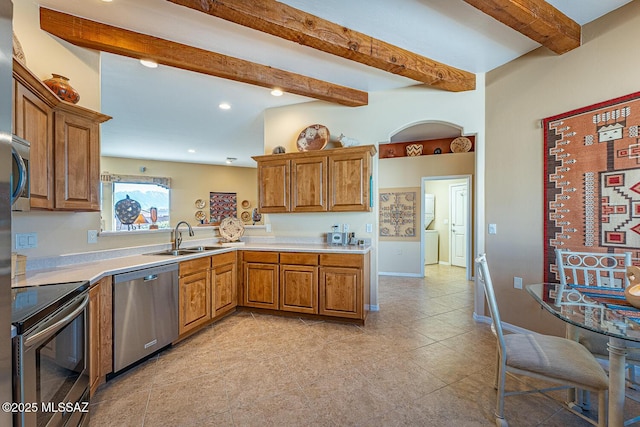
(444, 263)
(372, 307)
(505, 326)
(390, 273)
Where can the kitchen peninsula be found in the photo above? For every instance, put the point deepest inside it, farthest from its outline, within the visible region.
(315, 280)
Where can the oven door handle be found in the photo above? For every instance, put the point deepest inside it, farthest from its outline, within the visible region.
(22, 176)
(50, 330)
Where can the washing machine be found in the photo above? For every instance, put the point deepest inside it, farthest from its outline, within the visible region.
(430, 246)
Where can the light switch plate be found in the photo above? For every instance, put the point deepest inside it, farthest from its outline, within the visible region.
(517, 282)
(92, 236)
(493, 229)
(369, 228)
(26, 240)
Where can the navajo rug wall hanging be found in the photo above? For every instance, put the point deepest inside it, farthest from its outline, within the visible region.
(400, 214)
(592, 180)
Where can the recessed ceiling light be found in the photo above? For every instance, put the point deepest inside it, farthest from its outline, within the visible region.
(191, 150)
(149, 63)
(107, 1)
(277, 92)
(224, 106)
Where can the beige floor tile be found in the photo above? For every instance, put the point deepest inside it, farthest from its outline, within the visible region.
(420, 361)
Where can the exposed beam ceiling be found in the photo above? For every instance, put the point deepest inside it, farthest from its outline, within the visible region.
(289, 23)
(537, 20)
(94, 35)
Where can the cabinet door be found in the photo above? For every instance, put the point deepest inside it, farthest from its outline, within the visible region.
(223, 282)
(341, 292)
(34, 122)
(309, 184)
(299, 288)
(94, 338)
(260, 285)
(349, 182)
(195, 301)
(273, 186)
(77, 162)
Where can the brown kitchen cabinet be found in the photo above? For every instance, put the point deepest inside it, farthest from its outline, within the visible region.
(194, 297)
(309, 184)
(100, 333)
(273, 185)
(33, 121)
(337, 180)
(344, 285)
(260, 279)
(224, 288)
(349, 181)
(77, 160)
(65, 145)
(299, 282)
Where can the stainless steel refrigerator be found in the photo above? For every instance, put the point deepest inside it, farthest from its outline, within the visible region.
(6, 55)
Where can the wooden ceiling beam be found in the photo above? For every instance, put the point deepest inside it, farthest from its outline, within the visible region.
(292, 24)
(94, 35)
(537, 20)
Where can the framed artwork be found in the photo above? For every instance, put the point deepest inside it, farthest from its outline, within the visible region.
(592, 180)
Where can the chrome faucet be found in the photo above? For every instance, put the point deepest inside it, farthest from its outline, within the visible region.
(177, 235)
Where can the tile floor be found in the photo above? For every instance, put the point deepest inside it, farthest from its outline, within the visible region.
(420, 361)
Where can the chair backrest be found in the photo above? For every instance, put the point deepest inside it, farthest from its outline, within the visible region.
(592, 268)
(485, 278)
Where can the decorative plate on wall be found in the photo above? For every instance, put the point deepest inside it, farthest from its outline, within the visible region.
(200, 203)
(200, 216)
(231, 229)
(245, 216)
(314, 137)
(460, 145)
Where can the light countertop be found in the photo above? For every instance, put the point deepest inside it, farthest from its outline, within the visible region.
(95, 270)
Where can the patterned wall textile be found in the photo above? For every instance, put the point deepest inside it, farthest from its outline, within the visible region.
(400, 214)
(222, 205)
(592, 180)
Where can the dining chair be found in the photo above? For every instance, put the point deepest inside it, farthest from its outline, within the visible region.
(597, 269)
(554, 359)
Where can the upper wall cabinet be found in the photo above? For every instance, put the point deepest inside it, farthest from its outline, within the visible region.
(65, 145)
(337, 180)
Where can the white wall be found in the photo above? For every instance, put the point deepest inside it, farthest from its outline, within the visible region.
(387, 113)
(46, 54)
(66, 232)
(519, 94)
(404, 257)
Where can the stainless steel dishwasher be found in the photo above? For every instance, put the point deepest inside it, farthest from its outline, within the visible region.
(145, 313)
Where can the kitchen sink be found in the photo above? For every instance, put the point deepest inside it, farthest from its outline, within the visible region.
(203, 248)
(173, 252)
(186, 251)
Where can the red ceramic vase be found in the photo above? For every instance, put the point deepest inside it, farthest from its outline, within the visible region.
(61, 87)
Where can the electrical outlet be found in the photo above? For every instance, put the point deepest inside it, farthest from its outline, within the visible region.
(26, 240)
(345, 228)
(369, 228)
(92, 236)
(517, 282)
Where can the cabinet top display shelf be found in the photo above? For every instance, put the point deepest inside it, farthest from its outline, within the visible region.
(23, 75)
(371, 149)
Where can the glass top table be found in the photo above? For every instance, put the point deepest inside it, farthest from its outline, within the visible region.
(578, 306)
(596, 310)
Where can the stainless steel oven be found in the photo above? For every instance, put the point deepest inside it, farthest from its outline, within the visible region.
(20, 185)
(51, 366)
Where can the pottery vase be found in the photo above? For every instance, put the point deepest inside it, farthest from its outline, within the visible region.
(61, 87)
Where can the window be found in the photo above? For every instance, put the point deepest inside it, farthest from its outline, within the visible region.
(132, 203)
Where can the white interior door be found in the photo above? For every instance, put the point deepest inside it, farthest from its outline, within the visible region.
(458, 220)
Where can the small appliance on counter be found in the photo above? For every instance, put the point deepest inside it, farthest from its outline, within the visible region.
(335, 237)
